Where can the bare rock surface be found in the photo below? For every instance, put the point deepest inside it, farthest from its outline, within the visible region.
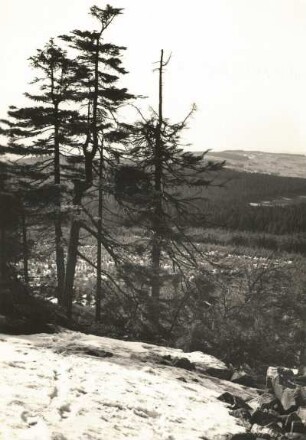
(72, 386)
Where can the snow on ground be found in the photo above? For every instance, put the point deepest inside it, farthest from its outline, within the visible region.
(56, 387)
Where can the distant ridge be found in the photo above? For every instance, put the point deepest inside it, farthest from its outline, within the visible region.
(256, 152)
(279, 164)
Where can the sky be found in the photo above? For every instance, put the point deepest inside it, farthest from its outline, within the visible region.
(242, 62)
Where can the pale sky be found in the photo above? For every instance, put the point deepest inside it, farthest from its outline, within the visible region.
(242, 62)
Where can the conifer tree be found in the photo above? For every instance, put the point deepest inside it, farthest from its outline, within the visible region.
(41, 130)
(166, 205)
(96, 74)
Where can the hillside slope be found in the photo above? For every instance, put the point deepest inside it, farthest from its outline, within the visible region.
(289, 165)
(72, 386)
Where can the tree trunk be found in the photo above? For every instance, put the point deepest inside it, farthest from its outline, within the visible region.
(99, 242)
(59, 250)
(157, 216)
(25, 249)
(60, 259)
(71, 264)
(88, 168)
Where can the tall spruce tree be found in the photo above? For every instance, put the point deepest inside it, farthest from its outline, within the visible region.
(41, 131)
(96, 74)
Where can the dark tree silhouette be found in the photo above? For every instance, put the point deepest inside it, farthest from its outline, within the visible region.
(42, 131)
(166, 208)
(96, 74)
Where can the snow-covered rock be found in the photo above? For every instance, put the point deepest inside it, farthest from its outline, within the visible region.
(71, 386)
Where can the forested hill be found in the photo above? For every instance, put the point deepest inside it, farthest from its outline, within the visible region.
(291, 165)
(257, 202)
(242, 199)
(241, 186)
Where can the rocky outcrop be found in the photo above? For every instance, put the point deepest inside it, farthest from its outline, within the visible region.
(277, 413)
